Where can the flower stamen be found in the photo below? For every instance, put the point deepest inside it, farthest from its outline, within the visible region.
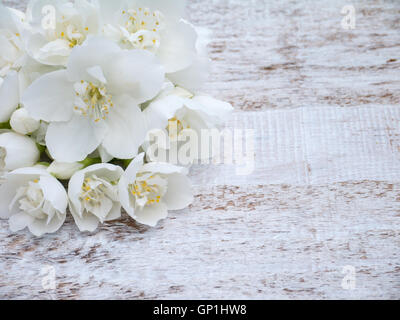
(93, 101)
(143, 28)
(148, 191)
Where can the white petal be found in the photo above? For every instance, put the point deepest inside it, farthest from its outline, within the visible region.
(109, 10)
(9, 96)
(150, 215)
(50, 98)
(104, 155)
(127, 129)
(164, 168)
(215, 109)
(41, 227)
(136, 73)
(128, 178)
(97, 73)
(124, 196)
(53, 53)
(20, 221)
(115, 212)
(133, 168)
(6, 19)
(179, 194)
(95, 51)
(90, 15)
(194, 76)
(74, 140)
(101, 211)
(104, 170)
(74, 192)
(178, 47)
(88, 222)
(29, 172)
(8, 191)
(161, 110)
(54, 192)
(8, 51)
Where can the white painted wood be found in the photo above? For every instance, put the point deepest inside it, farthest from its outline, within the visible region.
(314, 145)
(323, 102)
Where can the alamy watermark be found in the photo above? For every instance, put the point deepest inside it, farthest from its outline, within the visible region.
(206, 146)
(349, 19)
(49, 17)
(349, 280)
(48, 280)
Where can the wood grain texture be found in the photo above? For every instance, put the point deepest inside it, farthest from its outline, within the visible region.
(325, 192)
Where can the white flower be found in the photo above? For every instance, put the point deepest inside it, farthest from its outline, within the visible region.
(94, 102)
(93, 195)
(30, 197)
(17, 151)
(51, 41)
(191, 111)
(194, 76)
(185, 111)
(12, 58)
(63, 170)
(148, 191)
(23, 123)
(153, 25)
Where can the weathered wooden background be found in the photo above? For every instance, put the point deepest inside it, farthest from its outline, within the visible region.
(325, 193)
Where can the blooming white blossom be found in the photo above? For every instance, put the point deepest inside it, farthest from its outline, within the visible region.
(51, 39)
(185, 110)
(17, 151)
(93, 194)
(195, 111)
(148, 191)
(82, 82)
(153, 25)
(23, 123)
(94, 102)
(30, 197)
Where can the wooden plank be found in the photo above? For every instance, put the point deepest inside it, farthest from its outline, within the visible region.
(251, 242)
(313, 145)
(325, 193)
(285, 54)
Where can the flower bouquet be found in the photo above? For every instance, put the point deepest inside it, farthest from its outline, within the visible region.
(84, 86)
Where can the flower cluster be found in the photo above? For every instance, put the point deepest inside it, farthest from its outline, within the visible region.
(82, 83)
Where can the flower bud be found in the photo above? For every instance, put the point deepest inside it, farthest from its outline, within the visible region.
(17, 151)
(63, 170)
(23, 123)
